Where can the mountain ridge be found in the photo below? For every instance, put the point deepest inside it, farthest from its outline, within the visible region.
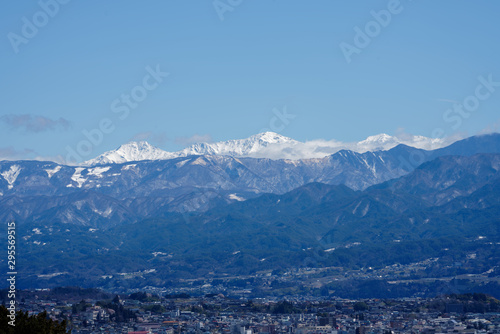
(238, 148)
(115, 194)
(262, 145)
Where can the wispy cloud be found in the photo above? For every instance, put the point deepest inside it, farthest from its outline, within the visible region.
(149, 136)
(10, 153)
(492, 128)
(34, 123)
(196, 138)
(449, 101)
(321, 148)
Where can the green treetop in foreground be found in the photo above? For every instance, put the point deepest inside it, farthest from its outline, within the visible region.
(25, 324)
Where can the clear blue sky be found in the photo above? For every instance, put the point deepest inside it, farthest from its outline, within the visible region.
(227, 76)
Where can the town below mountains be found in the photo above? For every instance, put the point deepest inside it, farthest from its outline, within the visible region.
(95, 311)
(395, 222)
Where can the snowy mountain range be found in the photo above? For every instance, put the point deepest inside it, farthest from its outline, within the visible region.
(265, 145)
(117, 193)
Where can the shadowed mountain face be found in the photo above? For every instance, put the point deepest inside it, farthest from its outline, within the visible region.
(109, 195)
(442, 180)
(449, 205)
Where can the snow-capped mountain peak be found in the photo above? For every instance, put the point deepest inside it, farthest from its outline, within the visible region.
(132, 151)
(239, 147)
(380, 138)
(271, 138)
(378, 142)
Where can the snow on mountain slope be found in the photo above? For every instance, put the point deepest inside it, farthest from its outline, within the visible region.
(265, 145)
(320, 148)
(11, 175)
(137, 151)
(239, 147)
(133, 151)
(384, 142)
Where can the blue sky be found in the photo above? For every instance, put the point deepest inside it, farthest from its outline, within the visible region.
(233, 64)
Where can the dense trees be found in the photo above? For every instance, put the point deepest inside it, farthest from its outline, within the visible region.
(120, 314)
(471, 302)
(25, 324)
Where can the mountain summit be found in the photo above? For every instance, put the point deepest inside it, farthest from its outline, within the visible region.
(239, 147)
(133, 151)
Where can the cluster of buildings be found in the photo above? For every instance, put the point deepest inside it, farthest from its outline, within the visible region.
(217, 314)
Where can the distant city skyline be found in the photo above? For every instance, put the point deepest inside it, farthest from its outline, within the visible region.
(93, 76)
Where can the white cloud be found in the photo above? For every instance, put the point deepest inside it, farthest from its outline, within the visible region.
(321, 148)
